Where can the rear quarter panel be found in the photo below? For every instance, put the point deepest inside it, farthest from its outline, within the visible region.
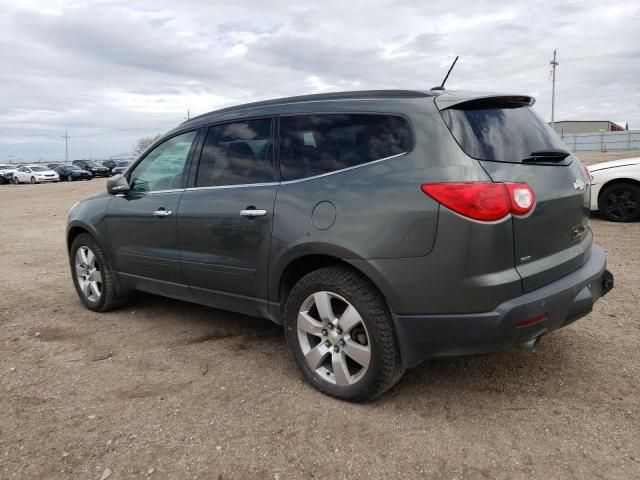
(380, 211)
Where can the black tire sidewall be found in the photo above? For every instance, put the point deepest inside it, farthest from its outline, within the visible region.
(88, 241)
(617, 187)
(359, 391)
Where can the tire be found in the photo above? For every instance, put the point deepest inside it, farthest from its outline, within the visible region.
(69, 178)
(108, 298)
(620, 202)
(373, 331)
(16, 181)
(33, 180)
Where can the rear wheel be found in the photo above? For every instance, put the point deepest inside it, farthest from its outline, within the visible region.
(16, 180)
(69, 178)
(620, 202)
(92, 275)
(33, 180)
(339, 330)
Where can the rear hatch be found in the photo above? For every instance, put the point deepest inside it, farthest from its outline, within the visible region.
(513, 144)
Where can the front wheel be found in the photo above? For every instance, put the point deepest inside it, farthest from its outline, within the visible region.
(339, 330)
(92, 275)
(33, 180)
(69, 178)
(16, 180)
(620, 202)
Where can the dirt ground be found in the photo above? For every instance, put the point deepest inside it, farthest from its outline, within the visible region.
(166, 389)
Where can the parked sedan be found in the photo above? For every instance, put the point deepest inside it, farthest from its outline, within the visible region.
(34, 174)
(70, 173)
(6, 173)
(120, 167)
(110, 164)
(615, 189)
(96, 168)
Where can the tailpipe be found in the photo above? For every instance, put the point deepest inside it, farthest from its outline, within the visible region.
(531, 345)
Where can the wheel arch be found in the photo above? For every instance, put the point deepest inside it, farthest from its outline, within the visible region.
(291, 270)
(76, 229)
(617, 180)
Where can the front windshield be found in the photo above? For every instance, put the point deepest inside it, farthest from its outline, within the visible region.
(124, 163)
(39, 169)
(75, 168)
(95, 165)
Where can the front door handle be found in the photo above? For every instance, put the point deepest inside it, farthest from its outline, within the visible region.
(252, 213)
(162, 213)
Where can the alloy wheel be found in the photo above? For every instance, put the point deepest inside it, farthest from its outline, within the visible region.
(333, 338)
(621, 204)
(88, 274)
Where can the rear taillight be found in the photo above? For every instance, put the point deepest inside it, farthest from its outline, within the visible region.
(484, 201)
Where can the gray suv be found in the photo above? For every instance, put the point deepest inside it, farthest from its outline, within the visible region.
(380, 228)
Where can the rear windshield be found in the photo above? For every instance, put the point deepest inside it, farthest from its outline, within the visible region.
(503, 134)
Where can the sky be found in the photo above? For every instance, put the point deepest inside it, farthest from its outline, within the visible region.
(110, 72)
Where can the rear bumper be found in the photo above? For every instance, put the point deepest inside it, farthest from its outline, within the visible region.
(555, 305)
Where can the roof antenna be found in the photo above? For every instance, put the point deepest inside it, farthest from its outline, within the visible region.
(441, 87)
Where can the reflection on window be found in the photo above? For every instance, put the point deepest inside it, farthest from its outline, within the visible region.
(163, 168)
(316, 144)
(237, 153)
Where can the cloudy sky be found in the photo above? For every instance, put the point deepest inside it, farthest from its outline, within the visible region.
(112, 71)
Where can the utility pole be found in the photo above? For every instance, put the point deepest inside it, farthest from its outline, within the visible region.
(188, 117)
(66, 146)
(554, 64)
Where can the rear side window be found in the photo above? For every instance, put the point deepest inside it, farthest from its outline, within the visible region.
(316, 144)
(503, 134)
(237, 153)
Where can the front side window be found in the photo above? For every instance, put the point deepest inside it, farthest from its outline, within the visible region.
(237, 154)
(316, 144)
(164, 167)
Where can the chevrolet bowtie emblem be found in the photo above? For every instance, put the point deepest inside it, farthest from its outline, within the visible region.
(579, 184)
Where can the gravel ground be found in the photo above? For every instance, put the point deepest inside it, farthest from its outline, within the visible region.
(166, 389)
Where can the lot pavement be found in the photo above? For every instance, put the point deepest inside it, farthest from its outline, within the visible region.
(166, 389)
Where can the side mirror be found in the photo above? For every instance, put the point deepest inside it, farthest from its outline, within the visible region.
(117, 184)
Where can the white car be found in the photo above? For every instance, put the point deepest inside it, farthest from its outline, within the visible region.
(34, 174)
(615, 189)
(6, 173)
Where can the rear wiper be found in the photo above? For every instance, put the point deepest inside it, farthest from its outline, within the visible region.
(546, 156)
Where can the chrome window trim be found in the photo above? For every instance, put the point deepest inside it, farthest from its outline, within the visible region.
(287, 182)
(304, 179)
(152, 192)
(239, 185)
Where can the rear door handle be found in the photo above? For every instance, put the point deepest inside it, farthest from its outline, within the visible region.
(162, 213)
(252, 213)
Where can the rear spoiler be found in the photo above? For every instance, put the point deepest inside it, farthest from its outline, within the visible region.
(480, 101)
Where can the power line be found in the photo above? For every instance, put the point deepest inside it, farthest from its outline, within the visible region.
(66, 146)
(554, 65)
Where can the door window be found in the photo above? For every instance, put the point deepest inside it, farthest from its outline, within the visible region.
(164, 167)
(316, 144)
(236, 154)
